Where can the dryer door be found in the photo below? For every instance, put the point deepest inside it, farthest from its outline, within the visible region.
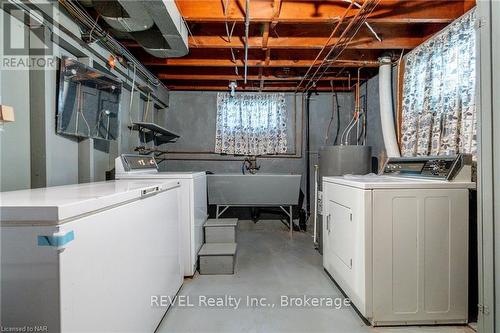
(347, 241)
(341, 233)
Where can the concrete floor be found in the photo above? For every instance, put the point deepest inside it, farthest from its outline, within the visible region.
(270, 266)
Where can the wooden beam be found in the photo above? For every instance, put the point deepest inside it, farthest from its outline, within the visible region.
(248, 88)
(395, 11)
(265, 35)
(312, 43)
(267, 59)
(307, 36)
(276, 12)
(259, 77)
(251, 63)
(469, 4)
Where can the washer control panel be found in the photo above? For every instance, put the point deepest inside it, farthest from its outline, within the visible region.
(139, 162)
(438, 167)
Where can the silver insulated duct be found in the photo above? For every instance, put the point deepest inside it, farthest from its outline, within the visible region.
(124, 15)
(170, 40)
(156, 25)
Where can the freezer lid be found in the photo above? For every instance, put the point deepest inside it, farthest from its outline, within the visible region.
(161, 175)
(369, 182)
(53, 205)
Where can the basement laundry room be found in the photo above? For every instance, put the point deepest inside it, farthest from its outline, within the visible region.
(221, 166)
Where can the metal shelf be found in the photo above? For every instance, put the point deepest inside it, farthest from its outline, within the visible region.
(154, 132)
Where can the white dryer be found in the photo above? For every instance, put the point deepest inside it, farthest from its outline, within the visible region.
(398, 246)
(193, 201)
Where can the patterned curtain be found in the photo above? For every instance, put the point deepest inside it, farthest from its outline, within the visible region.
(439, 111)
(251, 124)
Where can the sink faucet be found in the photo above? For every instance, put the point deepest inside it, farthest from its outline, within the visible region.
(250, 164)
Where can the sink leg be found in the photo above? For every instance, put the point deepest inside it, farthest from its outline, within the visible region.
(289, 212)
(219, 212)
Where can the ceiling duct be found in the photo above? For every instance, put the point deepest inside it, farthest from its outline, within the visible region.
(156, 25)
(171, 26)
(124, 15)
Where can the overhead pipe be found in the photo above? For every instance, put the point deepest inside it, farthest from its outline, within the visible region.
(337, 26)
(247, 26)
(344, 139)
(386, 107)
(366, 23)
(316, 190)
(353, 27)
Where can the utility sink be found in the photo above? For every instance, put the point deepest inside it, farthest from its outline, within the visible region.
(260, 189)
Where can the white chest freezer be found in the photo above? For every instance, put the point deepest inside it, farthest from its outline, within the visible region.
(89, 257)
(193, 201)
(398, 246)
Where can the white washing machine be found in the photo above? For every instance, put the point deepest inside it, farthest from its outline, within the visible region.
(397, 243)
(193, 201)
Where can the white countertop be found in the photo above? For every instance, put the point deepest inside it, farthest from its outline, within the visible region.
(372, 181)
(58, 203)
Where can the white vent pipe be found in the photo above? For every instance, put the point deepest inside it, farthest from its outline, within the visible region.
(386, 111)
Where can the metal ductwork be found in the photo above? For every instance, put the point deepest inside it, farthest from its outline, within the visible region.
(156, 25)
(171, 27)
(124, 15)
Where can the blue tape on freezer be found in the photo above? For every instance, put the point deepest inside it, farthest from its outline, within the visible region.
(56, 240)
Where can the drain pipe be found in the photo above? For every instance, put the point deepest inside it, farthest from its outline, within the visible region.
(386, 107)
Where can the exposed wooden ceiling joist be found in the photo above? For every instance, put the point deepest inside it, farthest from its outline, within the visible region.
(247, 88)
(314, 37)
(397, 42)
(285, 36)
(195, 77)
(300, 11)
(251, 63)
(253, 71)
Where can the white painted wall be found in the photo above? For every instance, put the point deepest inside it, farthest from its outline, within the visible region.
(15, 137)
(32, 139)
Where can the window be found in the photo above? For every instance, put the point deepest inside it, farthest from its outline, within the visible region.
(439, 111)
(251, 124)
